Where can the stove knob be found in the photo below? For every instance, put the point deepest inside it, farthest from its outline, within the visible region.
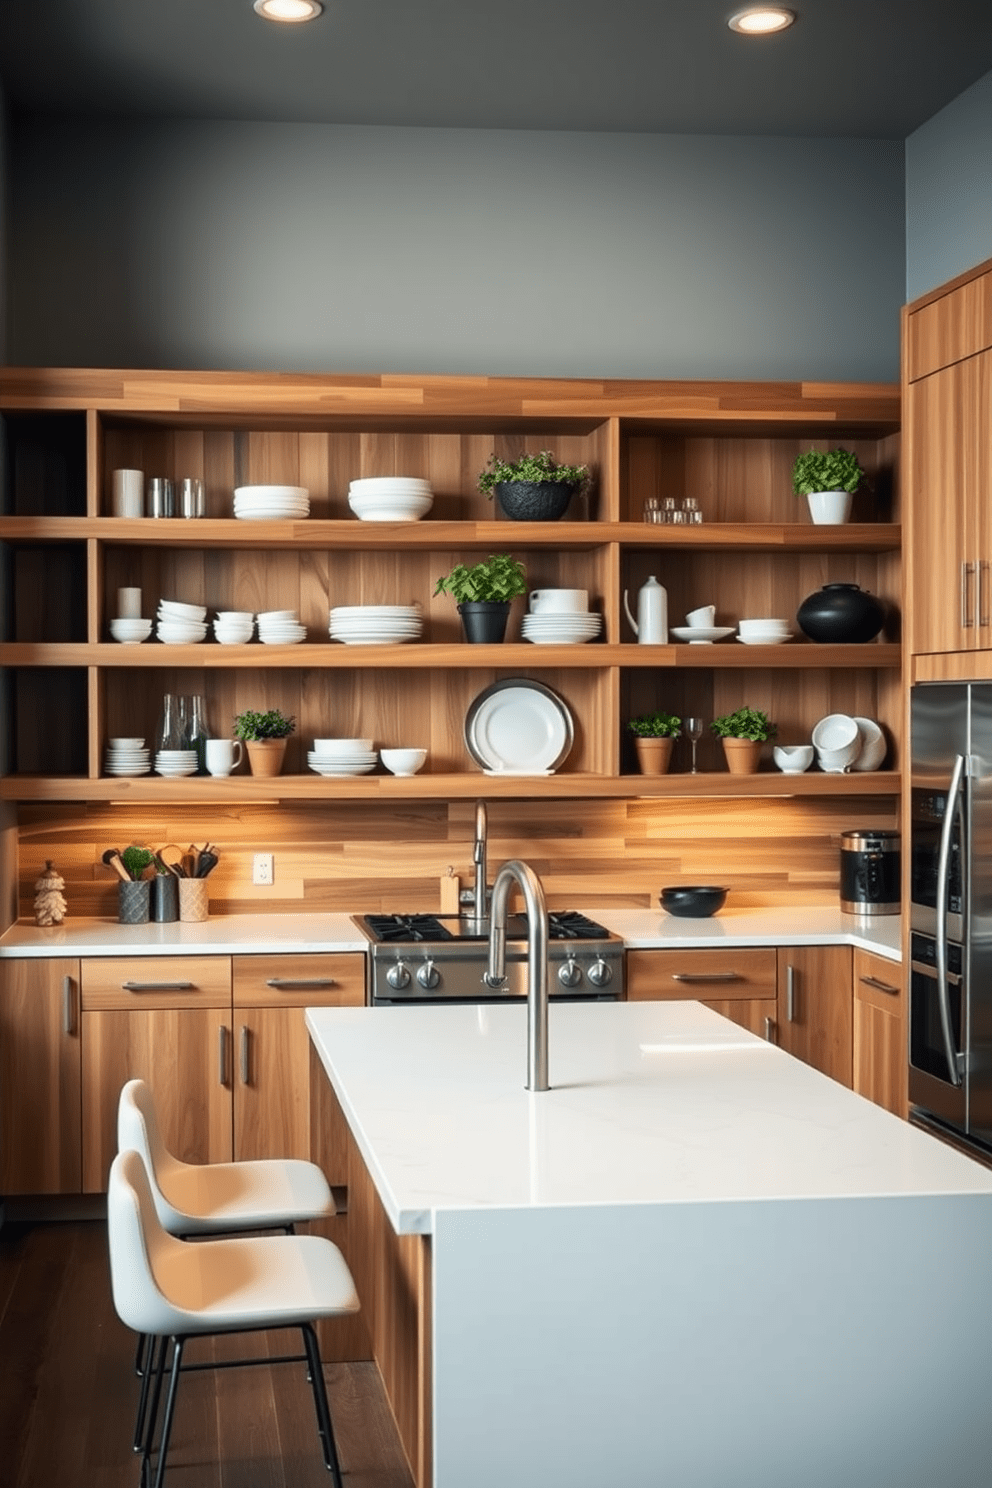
(428, 975)
(569, 974)
(397, 976)
(600, 973)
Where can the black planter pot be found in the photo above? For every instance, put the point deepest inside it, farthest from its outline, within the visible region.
(841, 614)
(484, 620)
(535, 501)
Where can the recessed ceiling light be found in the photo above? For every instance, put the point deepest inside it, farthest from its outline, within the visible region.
(289, 10)
(761, 20)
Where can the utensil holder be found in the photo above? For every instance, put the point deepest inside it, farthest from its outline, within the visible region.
(133, 902)
(165, 898)
(193, 900)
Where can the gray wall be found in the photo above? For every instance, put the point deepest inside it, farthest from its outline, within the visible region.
(949, 191)
(362, 249)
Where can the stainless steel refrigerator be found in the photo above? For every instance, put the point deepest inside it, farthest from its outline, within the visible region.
(950, 980)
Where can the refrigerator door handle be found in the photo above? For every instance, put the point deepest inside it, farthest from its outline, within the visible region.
(943, 868)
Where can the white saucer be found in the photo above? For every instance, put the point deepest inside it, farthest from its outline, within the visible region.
(701, 635)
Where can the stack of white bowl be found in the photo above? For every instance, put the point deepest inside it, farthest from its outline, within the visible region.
(181, 624)
(175, 762)
(280, 628)
(375, 625)
(130, 632)
(234, 627)
(763, 632)
(390, 498)
(271, 503)
(127, 756)
(342, 756)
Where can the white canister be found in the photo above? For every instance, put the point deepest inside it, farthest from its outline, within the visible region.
(651, 625)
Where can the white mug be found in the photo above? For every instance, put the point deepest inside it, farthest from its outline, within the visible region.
(129, 493)
(704, 616)
(558, 601)
(223, 755)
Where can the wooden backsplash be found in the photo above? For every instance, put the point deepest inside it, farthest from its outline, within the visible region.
(363, 857)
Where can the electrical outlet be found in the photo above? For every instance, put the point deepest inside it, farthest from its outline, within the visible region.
(262, 869)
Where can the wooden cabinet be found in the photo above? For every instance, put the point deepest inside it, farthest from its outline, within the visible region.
(814, 1007)
(730, 446)
(738, 983)
(880, 1053)
(39, 1076)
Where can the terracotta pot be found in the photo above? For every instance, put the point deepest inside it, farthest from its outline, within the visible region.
(742, 755)
(266, 755)
(654, 755)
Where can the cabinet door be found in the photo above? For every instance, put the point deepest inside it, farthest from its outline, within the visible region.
(880, 1055)
(185, 1056)
(39, 1077)
(738, 984)
(814, 1007)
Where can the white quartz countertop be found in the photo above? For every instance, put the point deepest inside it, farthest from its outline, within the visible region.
(650, 1103)
(817, 924)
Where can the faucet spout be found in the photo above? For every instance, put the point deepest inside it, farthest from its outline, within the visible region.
(514, 871)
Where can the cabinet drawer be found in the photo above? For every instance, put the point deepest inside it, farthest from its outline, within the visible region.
(702, 975)
(878, 981)
(955, 326)
(335, 979)
(156, 982)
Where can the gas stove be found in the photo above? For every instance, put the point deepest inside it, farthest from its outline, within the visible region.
(428, 958)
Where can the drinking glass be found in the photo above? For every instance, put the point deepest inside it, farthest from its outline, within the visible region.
(693, 732)
(168, 735)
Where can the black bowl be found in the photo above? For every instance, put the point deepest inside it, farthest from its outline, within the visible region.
(693, 901)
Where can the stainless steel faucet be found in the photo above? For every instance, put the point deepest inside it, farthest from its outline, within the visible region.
(479, 856)
(537, 960)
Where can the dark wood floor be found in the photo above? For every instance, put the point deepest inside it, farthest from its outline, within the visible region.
(68, 1390)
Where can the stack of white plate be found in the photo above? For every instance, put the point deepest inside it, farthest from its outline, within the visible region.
(280, 628)
(271, 503)
(390, 498)
(342, 756)
(180, 624)
(375, 625)
(175, 762)
(234, 627)
(763, 632)
(126, 757)
(561, 627)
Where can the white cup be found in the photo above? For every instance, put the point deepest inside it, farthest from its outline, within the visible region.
(129, 493)
(129, 604)
(558, 601)
(703, 617)
(222, 755)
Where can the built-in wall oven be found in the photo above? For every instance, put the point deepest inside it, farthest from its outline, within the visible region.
(424, 958)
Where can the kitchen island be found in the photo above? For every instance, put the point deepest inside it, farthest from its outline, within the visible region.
(693, 1261)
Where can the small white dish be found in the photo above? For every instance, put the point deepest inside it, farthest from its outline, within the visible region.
(701, 635)
(403, 762)
(765, 640)
(793, 759)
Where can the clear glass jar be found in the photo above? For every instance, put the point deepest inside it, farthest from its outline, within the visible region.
(690, 510)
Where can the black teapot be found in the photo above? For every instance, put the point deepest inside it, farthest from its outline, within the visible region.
(841, 614)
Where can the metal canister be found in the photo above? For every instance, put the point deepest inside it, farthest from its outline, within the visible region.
(191, 498)
(870, 872)
(160, 497)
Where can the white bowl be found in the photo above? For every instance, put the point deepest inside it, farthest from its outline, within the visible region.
(331, 747)
(873, 745)
(837, 732)
(835, 761)
(746, 627)
(371, 485)
(236, 617)
(130, 632)
(265, 494)
(793, 759)
(403, 761)
(177, 607)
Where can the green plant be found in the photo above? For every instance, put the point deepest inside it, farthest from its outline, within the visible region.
(835, 470)
(745, 723)
(532, 468)
(656, 726)
(253, 727)
(497, 578)
(136, 860)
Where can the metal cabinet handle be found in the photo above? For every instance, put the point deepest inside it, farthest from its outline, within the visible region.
(157, 986)
(967, 570)
(790, 994)
(291, 984)
(983, 593)
(706, 976)
(870, 981)
(68, 1005)
(243, 1054)
(222, 1054)
(770, 1030)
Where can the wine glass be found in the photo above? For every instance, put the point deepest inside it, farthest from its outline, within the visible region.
(694, 732)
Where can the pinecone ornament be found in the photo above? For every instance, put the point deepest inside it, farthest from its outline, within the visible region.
(49, 903)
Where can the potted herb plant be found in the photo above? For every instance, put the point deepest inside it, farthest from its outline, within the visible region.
(654, 739)
(264, 736)
(743, 732)
(828, 479)
(534, 488)
(483, 593)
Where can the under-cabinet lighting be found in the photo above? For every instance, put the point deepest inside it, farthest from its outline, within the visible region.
(291, 11)
(762, 20)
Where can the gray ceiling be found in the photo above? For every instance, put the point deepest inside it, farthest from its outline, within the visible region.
(875, 68)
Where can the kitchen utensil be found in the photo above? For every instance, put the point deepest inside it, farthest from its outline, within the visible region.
(651, 625)
(170, 859)
(205, 863)
(112, 858)
(693, 901)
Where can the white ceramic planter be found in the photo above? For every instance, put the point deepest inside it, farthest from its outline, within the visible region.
(826, 507)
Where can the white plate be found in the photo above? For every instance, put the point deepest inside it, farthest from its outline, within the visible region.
(367, 611)
(520, 727)
(698, 635)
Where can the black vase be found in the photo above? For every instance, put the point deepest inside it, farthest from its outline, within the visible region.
(484, 620)
(535, 501)
(841, 614)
